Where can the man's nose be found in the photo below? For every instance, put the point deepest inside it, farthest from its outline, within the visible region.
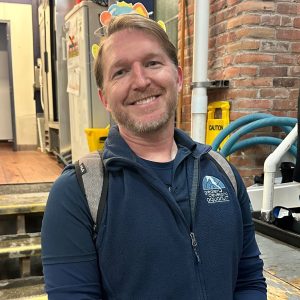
(140, 78)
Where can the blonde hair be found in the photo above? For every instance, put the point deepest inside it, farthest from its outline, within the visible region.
(136, 22)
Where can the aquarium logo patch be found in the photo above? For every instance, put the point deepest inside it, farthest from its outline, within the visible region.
(214, 190)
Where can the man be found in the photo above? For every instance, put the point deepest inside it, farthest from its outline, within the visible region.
(162, 236)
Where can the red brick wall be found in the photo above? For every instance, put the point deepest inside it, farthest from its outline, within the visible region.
(256, 46)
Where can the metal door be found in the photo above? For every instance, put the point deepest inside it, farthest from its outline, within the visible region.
(7, 127)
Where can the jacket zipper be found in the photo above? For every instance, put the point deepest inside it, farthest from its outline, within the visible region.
(198, 262)
(194, 193)
(193, 200)
(194, 245)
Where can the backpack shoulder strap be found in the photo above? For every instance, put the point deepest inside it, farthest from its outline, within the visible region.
(93, 180)
(224, 164)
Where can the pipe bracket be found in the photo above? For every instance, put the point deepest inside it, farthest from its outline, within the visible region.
(212, 84)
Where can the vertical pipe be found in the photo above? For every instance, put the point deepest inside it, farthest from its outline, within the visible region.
(270, 167)
(200, 64)
(182, 46)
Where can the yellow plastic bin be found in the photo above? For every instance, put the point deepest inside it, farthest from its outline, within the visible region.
(214, 124)
(96, 137)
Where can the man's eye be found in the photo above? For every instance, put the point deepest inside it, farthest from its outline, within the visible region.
(152, 63)
(119, 73)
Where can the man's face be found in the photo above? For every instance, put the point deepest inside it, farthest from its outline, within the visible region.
(140, 82)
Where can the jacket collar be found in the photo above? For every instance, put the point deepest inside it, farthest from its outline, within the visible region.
(115, 145)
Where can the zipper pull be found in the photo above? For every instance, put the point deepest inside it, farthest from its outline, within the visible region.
(194, 244)
(95, 227)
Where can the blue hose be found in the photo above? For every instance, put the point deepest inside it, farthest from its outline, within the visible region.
(240, 122)
(274, 121)
(267, 140)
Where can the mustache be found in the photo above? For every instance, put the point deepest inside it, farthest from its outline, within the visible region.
(138, 96)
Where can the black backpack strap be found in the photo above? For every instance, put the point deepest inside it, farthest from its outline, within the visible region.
(103, 199)
(93, 181)
(224, 164)
(78, 172)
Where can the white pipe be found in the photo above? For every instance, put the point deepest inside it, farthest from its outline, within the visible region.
(200, 63)
(270, 167)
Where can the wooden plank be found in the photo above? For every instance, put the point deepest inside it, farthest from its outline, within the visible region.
(2, 176)
(25, 268)
(23, 188)
(23, 203)
(279, 289)
(23, 289)
(39, 297)
(15, 246)
(21, 282)
(36, 170)
(21, 224)
(32, 173)
(27, 166)
(12, 173)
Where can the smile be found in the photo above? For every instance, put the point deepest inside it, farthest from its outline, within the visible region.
(144, 101)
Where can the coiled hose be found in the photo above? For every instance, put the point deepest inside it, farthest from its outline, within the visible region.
(250, 123)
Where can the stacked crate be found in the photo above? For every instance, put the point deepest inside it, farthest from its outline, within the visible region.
(21, 211)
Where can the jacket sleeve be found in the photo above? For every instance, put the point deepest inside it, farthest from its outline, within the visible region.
(250, 282)
(69, 256)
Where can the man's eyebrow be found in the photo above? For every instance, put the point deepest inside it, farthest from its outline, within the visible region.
(119, 63)
(153, 55)
(124, 61)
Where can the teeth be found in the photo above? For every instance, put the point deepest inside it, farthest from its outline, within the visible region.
(145, 101)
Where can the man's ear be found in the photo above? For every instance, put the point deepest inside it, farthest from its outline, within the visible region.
(179, 79)
(103, 99)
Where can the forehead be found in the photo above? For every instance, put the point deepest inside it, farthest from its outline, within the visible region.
(131, 42)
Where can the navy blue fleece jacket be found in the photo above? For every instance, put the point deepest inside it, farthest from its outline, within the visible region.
(146, 248)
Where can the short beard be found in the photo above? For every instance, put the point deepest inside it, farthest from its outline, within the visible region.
(140, 127)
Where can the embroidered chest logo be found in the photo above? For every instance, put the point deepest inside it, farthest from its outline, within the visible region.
(214, 190)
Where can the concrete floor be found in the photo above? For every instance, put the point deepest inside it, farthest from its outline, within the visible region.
(282, 268)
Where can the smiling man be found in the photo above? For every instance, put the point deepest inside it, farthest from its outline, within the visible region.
(140, 83)
(174, 226)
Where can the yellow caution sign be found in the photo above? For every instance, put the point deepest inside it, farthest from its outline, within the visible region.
(217, 120)
(96, 137)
